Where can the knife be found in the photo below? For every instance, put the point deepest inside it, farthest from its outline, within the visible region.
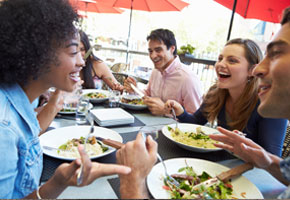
(109, 142)
(141, 94)
(225, 176)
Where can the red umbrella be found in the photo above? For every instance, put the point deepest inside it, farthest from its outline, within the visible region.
(265, 10)
(93, 6)
(148, 5)
(145, 5)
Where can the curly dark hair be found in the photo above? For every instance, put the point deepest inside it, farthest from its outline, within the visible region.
(31, 32)
(164, 35)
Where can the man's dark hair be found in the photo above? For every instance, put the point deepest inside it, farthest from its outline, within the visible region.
(31, 32)
(164, 35)
(286, 16)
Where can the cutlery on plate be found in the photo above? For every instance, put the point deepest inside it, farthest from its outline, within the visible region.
(172, 180)
(81, 172)
(141, 94)
(175, 119)
(225, 176)
(54, 149)
(111, 143)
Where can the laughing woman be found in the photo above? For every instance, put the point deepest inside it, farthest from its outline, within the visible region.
(233, 100)
(39, 49)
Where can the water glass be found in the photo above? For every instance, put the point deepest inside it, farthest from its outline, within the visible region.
(114, 98)
(81, 111)
(149, 130)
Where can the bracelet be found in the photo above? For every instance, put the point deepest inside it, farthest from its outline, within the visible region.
(37, 193)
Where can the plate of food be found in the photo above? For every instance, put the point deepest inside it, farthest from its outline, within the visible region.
(189, 172)
(71, 109)
(192, 137)
(96, 96)
(62, 142)
(132, 102)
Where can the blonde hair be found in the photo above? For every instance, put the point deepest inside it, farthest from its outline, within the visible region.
(216, 97)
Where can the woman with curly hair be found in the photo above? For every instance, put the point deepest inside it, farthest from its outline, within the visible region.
(95, 71)
(233, 100)
(39, 49)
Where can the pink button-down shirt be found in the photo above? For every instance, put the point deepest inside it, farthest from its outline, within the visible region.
(178, 83)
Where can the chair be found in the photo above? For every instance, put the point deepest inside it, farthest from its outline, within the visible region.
(286, 144)
(119, 67)
(120, 77)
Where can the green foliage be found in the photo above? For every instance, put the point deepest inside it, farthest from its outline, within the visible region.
(186, 49)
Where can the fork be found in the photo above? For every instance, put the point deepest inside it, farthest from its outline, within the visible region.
(174, 117)
(92, 128)
(172, 180)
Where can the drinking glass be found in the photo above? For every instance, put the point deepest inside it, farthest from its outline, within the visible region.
(81, 111)
(149, 130)
(114, 98)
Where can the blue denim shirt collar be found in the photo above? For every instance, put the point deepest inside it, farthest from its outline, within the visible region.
(18, 98)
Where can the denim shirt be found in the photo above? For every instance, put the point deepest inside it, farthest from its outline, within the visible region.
(21, 154)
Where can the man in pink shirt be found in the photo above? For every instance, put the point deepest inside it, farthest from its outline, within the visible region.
(170, 79)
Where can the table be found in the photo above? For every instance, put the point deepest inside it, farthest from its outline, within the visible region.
(102, 187)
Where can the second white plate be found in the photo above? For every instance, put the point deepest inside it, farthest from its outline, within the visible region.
(242, 187)
(59, 136)
(192, 128)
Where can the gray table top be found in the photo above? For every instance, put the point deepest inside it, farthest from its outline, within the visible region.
(101, 189)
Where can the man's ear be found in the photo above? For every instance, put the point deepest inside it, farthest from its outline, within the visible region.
(172, 49)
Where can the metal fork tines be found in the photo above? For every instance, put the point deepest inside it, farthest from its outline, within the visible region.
(172, 180)
(91, 120)
(174, 117)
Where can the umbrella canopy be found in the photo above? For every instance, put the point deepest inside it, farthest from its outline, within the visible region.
(265, 10)
(93, 6)
(145, 5)
(148, 5)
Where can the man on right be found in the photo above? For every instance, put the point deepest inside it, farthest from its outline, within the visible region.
(274, 75)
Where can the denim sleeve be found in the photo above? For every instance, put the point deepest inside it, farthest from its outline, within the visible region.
(271, 134)
(196, 118)
(9, 160)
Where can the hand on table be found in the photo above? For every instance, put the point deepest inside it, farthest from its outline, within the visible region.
(140, 157)
(175, 105)
(155, 105)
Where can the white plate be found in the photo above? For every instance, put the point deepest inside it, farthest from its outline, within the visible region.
(94, 100)
(155, 178)
(132, 106)
(59, 136)
(74, 110)
(189, 127)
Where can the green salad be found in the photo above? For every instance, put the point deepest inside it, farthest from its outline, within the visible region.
(186, 190)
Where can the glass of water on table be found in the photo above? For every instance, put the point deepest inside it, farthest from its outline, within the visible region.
(82, 111)
(114, 98)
